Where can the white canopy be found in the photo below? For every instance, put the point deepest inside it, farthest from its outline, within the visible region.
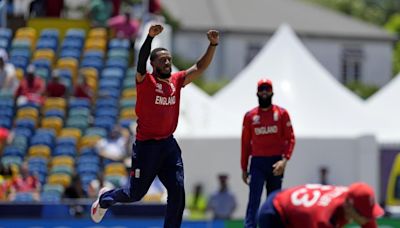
(384, 111)
(318, 104)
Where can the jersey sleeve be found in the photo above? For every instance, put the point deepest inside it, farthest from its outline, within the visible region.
(288, 135)
(246, 142)
(181, 75)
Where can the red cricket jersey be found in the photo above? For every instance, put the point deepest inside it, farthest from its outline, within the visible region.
(266, 133)
(313, 206)
(157, 106)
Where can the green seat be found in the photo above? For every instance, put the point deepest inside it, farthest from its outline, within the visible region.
(21, 142)
(77, 122)
(129, 83)
(118, 53)
(116, 180)
(131, 72)
(127, 103)
(5, 94)
(61, 169)
(56, 188)
(96, 131)
(43, 73)
(21, 44)
(79, 112)
(9, 160)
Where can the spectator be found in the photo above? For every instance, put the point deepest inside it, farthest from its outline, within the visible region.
(97, 184)
(124, 27)
(55, 88)
(5, 175)
(75, 191)
(83, 90)
(99, 12)
(155, 7)
(323, 175)
(38, 8)
(4, 135)
(8, 78)
(197, 203)
(114, 146)
(54, 8)
(223, 202)
(31, 88)
(24, 182)
(116, 7)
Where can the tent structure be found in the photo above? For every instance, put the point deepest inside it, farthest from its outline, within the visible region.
(318, 104)
(384, 110)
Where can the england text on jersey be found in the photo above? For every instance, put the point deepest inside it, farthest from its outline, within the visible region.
(165, 100)
(266, 130)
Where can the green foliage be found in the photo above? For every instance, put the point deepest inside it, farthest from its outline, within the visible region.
(396, 59)
(393, 24)
(373, 11)
(362, 90)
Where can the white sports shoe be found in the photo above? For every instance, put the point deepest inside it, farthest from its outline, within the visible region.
(97, 213)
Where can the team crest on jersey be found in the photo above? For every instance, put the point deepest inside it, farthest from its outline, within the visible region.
(172, 87)
(159, 88)
(276, 116)
(256, 119)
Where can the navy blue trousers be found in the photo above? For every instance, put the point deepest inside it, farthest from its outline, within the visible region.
(260, 174)
(153, 158)
(268, 217)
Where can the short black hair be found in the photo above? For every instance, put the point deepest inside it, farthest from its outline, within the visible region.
(153, 53)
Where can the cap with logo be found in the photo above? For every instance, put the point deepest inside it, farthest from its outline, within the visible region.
(362, 197)
(264, 83)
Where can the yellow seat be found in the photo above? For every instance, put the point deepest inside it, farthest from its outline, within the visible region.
(92, 84)
(89, 72)
(55, 103)
(89, 141)
(19, 73)
(70, 64)
(98, 33)
(63, 160)
(116, 168)
(28, 112)
(59, 178)
(128, 113)
(71, 132)
(39, 151)
(129, 93)
(55, 123)
(95, 43)
(44, 54)
(27, 33)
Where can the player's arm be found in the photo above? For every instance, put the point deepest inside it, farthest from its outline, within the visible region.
(288, 144)
(246, 147)
(197, 69)
(144, 51)
(289, 138)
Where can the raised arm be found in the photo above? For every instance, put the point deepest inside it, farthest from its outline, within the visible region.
(197, 69)
(145, 51)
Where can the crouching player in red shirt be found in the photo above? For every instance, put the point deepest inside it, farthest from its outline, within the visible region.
(320, 206)
(267, 138)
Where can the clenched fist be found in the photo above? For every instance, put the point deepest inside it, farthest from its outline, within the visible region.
(155, 30)
(213, 37)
